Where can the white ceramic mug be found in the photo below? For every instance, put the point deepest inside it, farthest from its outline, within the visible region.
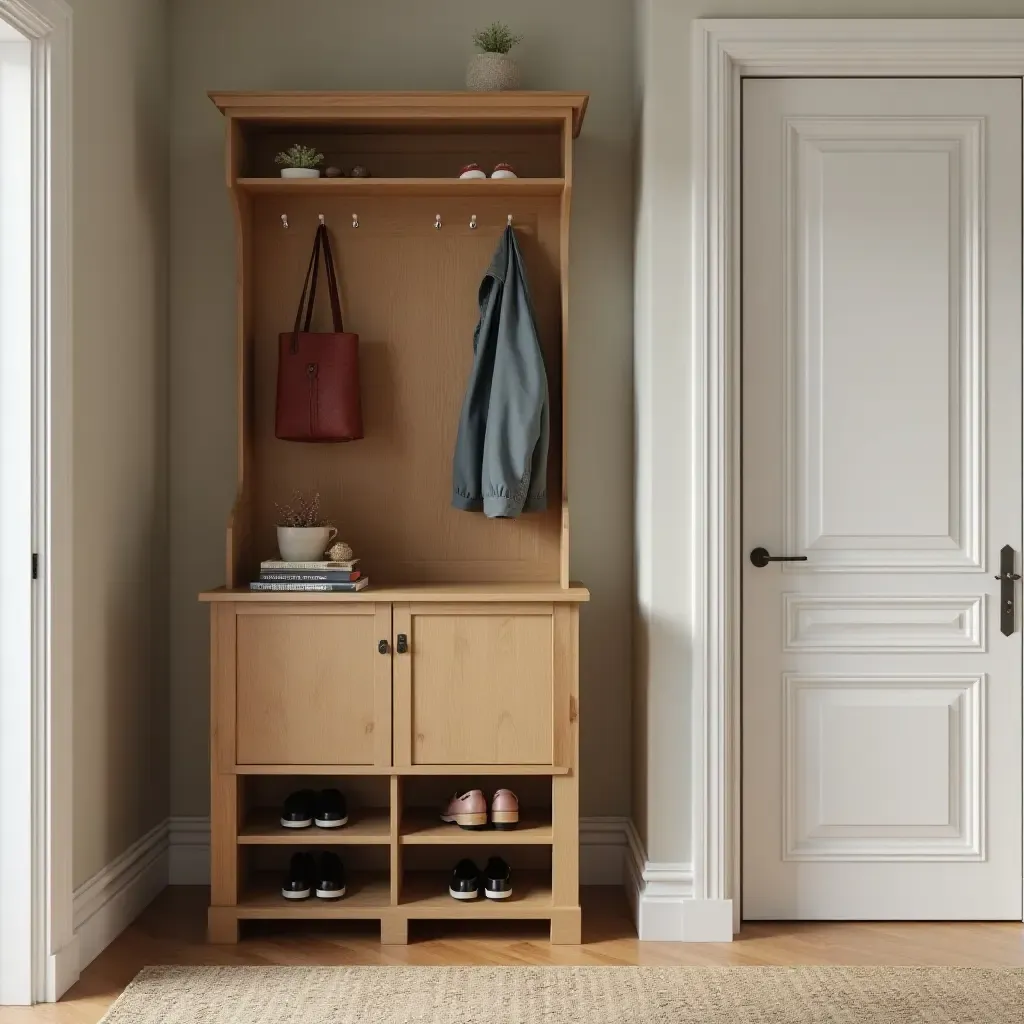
(304, 543)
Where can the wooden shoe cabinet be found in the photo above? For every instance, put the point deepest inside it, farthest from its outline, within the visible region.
(458, 666)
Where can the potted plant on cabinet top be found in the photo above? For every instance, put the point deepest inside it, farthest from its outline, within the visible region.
(299, 162)
(492, 69)
(302, 532)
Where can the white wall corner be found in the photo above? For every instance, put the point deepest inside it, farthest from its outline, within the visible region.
(109, 901)
(661, 898)
(603, 846)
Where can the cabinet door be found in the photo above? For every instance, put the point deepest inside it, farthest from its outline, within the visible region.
(481, 684)
(312, 686)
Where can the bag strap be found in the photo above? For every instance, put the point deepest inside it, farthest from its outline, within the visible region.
(321, 241)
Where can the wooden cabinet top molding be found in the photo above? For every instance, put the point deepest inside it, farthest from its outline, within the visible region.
(480, 592)
(452, 108)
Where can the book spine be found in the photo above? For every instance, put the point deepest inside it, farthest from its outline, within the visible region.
(268, 576)
(272, 566)
(306, 587)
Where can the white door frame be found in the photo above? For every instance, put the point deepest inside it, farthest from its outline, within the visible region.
(724, 52)
(36, 744)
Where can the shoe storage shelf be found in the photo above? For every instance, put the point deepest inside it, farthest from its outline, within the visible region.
(458, 666)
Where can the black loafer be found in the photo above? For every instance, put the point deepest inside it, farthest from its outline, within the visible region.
(497, 879)
(330, 878)
(331, 810)
(298, 883)
(298, 809)
(465, 883)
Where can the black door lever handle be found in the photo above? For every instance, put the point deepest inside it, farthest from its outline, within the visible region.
(759, 558)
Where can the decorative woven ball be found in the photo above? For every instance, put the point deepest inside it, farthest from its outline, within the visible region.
(339, 552)
(334, 172)
(359, 171)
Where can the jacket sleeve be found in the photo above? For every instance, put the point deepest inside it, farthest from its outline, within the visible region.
(516, 434)
(467, 465)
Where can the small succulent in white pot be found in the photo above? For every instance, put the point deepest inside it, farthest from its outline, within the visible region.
(299, 162)
(302, 531)
(493, 70)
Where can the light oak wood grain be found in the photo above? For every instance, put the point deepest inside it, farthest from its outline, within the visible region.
(434, 592)
(508, 189)
(306, 688)
(481, 687)
(416, 108)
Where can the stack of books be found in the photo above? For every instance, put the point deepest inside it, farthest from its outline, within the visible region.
(315, 577)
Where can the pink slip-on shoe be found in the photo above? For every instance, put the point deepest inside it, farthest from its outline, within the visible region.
(505, 810)
(468, 810)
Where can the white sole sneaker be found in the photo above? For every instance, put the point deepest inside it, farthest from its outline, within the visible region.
(292, 894)
(330, 824)
(463, 895)
(285, 823)
(497, 895)
(330, 894)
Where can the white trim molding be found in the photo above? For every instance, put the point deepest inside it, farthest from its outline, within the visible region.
(109, 901)
(45, 731)
(661, 897)
(603, 850)
(725, 51)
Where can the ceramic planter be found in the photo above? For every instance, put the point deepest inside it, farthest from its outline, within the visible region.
(304, 543)
(300, 172)
(492, 72)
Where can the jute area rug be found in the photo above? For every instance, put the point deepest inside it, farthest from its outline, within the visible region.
(571, 995)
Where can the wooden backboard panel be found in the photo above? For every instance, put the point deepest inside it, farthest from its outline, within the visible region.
(410, 291)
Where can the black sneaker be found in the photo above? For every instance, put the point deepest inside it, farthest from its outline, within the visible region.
(497, 879)
(298, 809)
(298, 883)
(465, 883)
(330, 878)
(331, 810)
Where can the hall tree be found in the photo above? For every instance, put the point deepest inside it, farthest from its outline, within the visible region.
(461, 662)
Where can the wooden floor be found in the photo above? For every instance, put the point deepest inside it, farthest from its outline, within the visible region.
(171, 931)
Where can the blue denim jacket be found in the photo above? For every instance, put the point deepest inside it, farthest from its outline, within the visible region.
(501, 455)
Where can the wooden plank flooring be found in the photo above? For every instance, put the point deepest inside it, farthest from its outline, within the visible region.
(171, 931)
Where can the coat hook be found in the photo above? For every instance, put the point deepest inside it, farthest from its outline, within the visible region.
(510, 220)
(320, 217)
(437, 221)
(284, 220)
(355, 220)
(472, 222)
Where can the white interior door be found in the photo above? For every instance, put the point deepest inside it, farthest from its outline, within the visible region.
(882, 441)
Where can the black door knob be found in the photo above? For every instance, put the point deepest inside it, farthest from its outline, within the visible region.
(383, 647)
(759, 558)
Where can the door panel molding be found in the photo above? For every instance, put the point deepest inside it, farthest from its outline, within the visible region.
(945, 531)
(827, 821)
(876, 623)
(723, 52)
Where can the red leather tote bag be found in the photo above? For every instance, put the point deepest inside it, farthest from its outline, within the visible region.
(318, 372)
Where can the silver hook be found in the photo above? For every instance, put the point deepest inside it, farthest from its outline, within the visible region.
(284, 220)
(510, 220)
(355, 220)
(320, 217)
(437, 221)
(472, 222)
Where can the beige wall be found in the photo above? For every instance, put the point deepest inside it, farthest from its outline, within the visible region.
(662, 796)
(403, 44)
(120, 417)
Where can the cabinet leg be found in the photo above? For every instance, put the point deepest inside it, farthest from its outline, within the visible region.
(222, 925)
(566, 927)
(394, 930)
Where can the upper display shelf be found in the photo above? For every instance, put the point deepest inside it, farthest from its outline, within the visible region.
(427, 187)
(392, 109)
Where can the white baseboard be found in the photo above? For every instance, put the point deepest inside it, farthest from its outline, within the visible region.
(661, 898)
(109, 901)
(603, 845)
(62, 970)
